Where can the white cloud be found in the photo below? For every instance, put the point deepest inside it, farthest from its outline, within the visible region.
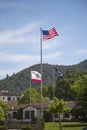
(81, 52)
(50, 44)
(8, 4)
(16, 58)
(15, 62)
(4, 72)
(21, 61)
(52, 56)
(21, 35)
(23, 58)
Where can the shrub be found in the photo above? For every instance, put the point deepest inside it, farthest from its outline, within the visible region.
(27, 127)
(3, 127)
(2, 122)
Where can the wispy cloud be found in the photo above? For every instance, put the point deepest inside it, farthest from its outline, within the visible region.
(13, 4)
(7, 4)
(50, 44)
(17, 58)
(52, 56)
(20, 35)
(81, 52)
(23, 58)
(21, 61)
(16, 62)
(4, 72)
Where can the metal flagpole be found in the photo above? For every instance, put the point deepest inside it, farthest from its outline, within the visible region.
(53, 83)
(30, 98)
(53, 94)
(41, 71)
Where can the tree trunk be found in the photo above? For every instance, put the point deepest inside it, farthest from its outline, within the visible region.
(60, 123)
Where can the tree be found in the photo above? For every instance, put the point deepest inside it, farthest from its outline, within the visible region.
(3, 106)
(48, 91)
(63, 89)
(80, 87)
(58, 107)
(2, 113)
(63, 86)
(2, 118)
(30, 93)
(20, 114)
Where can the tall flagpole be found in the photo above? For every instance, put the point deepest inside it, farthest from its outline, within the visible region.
(30, 97)
(53, 93)
(53, 83)
(41, 71)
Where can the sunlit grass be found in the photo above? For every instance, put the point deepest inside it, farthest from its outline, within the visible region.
(66, 126)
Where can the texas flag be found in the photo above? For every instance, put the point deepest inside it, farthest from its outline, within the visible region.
(35, 76)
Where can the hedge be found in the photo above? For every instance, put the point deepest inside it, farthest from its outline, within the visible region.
(4, 127)
(27, 127)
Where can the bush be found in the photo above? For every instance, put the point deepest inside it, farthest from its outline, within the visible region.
(3, 127)
(27, 127)
(2, 122)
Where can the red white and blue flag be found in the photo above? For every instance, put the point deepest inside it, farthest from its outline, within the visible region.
(48, 34)
(35, 76)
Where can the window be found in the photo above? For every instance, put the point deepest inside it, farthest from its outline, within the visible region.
(32, 114)
(56, 115)
(13, 98)
(14, 115)
(27, 114)
(9, 98)
(3, 98)
(18, 98)
(66, 115)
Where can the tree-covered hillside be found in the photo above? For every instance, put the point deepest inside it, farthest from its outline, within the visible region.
(20, 81)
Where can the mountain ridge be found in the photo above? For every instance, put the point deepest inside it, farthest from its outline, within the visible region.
(20, 81)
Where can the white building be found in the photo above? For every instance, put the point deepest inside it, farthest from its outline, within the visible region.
(33, 111)
(8, 97)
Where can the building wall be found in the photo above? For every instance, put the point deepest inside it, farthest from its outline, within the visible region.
(30, 109)
(9, 98)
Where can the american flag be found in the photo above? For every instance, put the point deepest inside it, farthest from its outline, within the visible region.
(48, 34)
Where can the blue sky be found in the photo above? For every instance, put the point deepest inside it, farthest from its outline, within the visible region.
(20, 23)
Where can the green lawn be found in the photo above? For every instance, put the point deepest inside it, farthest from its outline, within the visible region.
(66, 126)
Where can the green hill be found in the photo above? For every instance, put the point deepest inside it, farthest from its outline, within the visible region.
(21, 80)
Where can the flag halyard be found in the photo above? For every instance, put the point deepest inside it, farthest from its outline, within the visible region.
(48, 34)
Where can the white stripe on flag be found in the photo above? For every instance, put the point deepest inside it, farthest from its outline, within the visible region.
(35, 76)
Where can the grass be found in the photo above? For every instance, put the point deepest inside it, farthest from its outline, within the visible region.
(66, 126)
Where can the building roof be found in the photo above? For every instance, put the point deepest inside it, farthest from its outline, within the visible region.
(6, 93)
(15, 106)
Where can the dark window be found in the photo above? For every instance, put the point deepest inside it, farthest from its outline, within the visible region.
(3, 98)
(18, 98)
(14, 114)
(32, 114)
(9, 98)
(66, 115)
(56, 115)
(27, 114)
(13, 98)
